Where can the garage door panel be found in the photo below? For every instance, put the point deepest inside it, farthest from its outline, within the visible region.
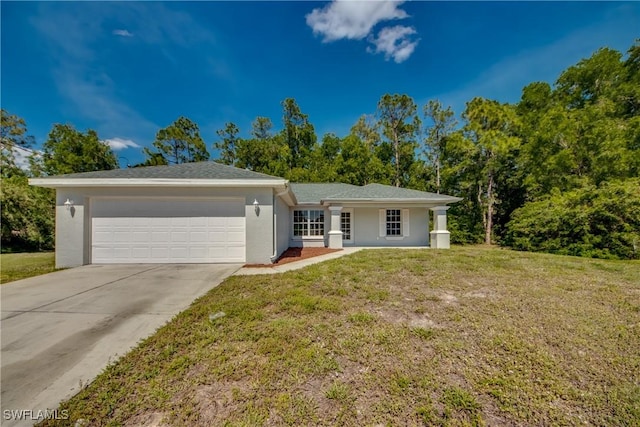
(179, 222)
(236, 237)
(179, 237)
(198, 222)
(179, 252)
(121, 237)
(159, 236)
(155, 222)
(198, 236)
(142, 252)
(104, 236)
(155, 253)
(140, 236)
(144, 231)
(121, 253)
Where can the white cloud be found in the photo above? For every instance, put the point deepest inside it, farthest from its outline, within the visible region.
(395, 42)
(355, 20)
(344, 19)
(123, 33)
(118, 144)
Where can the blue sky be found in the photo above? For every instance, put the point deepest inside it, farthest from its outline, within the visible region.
(127, 69)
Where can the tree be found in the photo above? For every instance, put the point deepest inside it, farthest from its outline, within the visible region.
(261, 128)
(27, 215)
(399, 122)
(228, 143)
(180, 142)
(490, 130)
(366, 129)
(602, 222)
(628, 93)
(364, 159)
(589, 80)
(13, 135)
(298, 133)
(27, 212)
(443, 123)
(69, 151)
(323, 161)
(265, 153)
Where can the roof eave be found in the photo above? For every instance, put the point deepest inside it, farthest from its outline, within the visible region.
(155, 182)
(373, 201)
(287, 194)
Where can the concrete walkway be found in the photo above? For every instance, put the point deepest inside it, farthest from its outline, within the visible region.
(248, 271)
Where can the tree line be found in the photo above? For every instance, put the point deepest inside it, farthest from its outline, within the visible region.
(558, 171)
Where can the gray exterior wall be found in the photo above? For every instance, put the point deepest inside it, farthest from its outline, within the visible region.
(73, 237)
(283, 226)
(366, 228)
(73, 227)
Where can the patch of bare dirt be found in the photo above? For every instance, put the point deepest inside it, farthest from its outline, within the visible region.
(413, 320)
(146, 419)
(215, 402)
(296, 254)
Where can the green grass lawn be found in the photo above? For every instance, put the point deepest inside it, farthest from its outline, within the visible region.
(469, 336)
(23, 265)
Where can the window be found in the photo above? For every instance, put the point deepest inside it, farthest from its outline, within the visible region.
(394, 222)
(345, 225)
(308, 223)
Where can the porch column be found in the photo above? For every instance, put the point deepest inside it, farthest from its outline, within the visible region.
(335, 234)
(440, 235)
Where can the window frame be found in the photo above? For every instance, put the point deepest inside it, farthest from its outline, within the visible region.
(350, 212)
(393, 222)
(310, 224)
(404, 221)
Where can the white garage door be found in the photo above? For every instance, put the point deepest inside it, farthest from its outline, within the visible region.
(167, 231)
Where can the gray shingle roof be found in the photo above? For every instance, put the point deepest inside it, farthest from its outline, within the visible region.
(314, 193)
(317, 193)
(304, 193)
(198, 170)
(380, 191)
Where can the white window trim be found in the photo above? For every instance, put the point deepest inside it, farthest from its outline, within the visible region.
(382, 224)
(350, 211)
(317, 237)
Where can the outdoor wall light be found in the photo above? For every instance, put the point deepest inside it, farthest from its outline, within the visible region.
(68, 204)
(256, 206)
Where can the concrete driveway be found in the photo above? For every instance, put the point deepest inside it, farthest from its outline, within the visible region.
(61, 329)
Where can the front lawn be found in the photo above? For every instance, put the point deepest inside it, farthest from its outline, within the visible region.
(469, 336)
(22, 265)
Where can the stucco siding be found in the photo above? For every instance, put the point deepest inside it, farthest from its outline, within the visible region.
(71, 234)
(366, 228)
(283, 226)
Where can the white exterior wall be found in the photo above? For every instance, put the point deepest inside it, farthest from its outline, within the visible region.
(73, 232)
(283, 226)
(366, 228)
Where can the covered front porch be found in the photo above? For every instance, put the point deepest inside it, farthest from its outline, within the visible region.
(391, 226)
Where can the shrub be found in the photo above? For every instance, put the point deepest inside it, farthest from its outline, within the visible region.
(598, 222)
